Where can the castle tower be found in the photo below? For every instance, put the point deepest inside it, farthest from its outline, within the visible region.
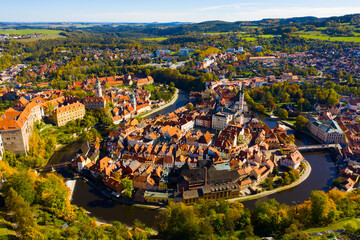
(98, 92)
(241, 99)
(133, 101)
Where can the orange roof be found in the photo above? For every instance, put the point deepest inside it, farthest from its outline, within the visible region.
(69, 107)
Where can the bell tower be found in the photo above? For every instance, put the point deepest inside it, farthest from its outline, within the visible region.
(98, 91)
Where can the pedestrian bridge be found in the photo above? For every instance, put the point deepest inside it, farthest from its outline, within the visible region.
(318, 147)
(52, 167)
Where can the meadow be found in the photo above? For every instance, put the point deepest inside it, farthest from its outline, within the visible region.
(157, 39)
(29, 31)
(317, 35)
(45, 34)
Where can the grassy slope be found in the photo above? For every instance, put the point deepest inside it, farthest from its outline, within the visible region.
(335, 226)
(158, 39)
(45, 34)
(29, 31)
(320, 36)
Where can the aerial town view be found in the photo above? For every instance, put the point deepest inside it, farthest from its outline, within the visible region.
(180, 120)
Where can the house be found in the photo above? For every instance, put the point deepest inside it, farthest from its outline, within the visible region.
(215, 191)
(347, 185)
(16, 127)
(65, 114)
(81, 162)
(293, 159)
(144, 81)
(203, 121)
(113, 184)
(205, 140)
(1, 148)
(354, 104)
(260, 173)
(220, 121)
(94, 102)
(328, 131)
(158, 197)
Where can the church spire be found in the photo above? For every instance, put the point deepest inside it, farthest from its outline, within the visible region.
(98, 92)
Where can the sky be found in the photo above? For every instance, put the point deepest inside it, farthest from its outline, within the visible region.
(168, 11)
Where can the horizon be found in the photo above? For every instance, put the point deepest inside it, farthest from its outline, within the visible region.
(161, 11)
(212, 20)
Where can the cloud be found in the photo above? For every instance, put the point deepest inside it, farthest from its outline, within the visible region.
(292, 12)
(236, 6)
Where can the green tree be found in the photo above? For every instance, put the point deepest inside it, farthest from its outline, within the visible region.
(261, 108)
(127, 187)
(286, 98)
(179, 222)
(23, 184)
(282, 113)
(53, 193)
(320, 207)
(301, 122)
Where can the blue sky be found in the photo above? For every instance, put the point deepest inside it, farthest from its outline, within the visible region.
(168, 11)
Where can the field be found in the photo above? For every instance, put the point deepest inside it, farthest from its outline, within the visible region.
(221, 33)
(150, 87)
(45, 34)
(6, 229)
(335, 226)
(158, 39)
(41, 37)
(253, 38)
(249, 38)
(320, 36)
(29, 31)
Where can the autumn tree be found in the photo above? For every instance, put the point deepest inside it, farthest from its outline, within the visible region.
(301, 122)
(53, 194)
(127, 187)
(322, 208)
(22, 184)
(282, 113)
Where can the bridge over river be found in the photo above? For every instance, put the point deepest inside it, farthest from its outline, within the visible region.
(319, 147)
(53, 167)
(315, 147)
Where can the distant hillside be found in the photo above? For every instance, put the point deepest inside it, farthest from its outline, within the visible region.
(266, 26)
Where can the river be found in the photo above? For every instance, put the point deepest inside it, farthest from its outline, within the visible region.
(104, 209)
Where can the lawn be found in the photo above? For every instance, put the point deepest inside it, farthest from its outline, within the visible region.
(6, 230)
(267, 36)
(150, 87)
(29, 31)
(41, 37)
(335, 226)
(157, 39)
(220, 33)
(318, 35)
(249, 39)
(45, 34)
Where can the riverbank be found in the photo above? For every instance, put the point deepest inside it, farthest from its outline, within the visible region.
(172, 101)
(304, 175)
(102, 189)
(107, 210)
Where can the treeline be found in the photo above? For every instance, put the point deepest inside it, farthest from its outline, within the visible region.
(221, 219)
(304, 95)
(7, 61)
(182, 81)
(40, 206)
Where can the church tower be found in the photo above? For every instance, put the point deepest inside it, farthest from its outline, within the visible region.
(98, 92)
(241, 99)
(133, 101)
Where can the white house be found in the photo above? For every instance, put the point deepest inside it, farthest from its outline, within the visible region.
(354, 104)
